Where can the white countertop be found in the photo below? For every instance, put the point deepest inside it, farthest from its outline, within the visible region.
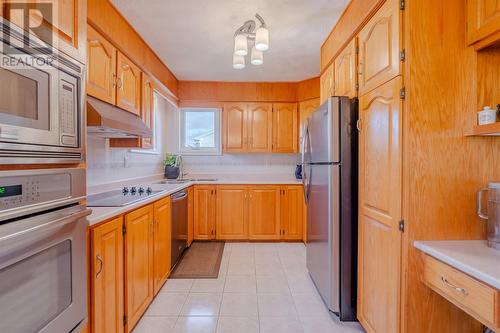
(472, 257)
(100, 214)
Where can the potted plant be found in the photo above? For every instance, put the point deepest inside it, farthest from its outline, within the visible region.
(171, 169)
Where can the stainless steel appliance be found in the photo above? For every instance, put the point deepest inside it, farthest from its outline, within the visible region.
(329, 172)
(41, 101)
(179, 225)
(119, 198)
(43, 285)
(492, 214)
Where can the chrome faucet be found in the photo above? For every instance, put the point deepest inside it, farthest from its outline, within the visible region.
(180, 165)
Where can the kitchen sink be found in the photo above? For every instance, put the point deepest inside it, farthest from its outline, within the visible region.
(183, 181)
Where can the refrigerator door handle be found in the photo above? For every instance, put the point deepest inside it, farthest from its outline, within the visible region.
(305, 163)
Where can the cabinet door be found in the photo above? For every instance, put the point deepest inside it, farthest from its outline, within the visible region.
(138, 263)
(190, 215)
(326, 84)
(264, 212)
(259, 127)
(305, 109)
(60, 23)
(106, 280)
(380, 161)
(292, 212)
(234, 127)
(346, 71)
(379, 48)
(204, 212)
(285, 128)
(161, 244)
(147, 108)
(232, 212)
(128, 94)
(101, 67)
(483, 19)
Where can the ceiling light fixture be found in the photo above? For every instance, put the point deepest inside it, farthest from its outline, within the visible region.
(245, 35)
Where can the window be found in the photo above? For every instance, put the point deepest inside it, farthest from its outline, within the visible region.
(200, 131)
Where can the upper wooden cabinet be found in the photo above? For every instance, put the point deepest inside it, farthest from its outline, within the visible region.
(139, 264)
(204, 212)
(483, 21)
(346, 76)
(232, 212)
(128, 94)
(380, 184)
(379, 48)
(234, 127)
(326, 83)
(259, 122)
(106, 280)
(101, 67)
(161, 242)
(285, 128)
(61, 23)
(147, 108)
(292, 212)
(305, 109)
(264, 213)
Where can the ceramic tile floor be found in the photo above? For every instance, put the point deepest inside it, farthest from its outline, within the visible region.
(262, 287)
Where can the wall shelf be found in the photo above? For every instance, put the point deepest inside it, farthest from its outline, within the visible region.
(484, 130)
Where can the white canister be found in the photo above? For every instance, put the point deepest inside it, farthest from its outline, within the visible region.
(486, 116)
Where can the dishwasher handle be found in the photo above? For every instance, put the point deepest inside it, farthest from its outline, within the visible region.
(179, 196)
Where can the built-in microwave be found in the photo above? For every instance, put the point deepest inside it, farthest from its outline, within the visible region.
(41, 101)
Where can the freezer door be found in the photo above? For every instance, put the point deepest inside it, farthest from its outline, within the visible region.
(323, 232)
(324, 137)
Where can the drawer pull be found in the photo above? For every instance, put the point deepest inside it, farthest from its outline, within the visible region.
(448, 283)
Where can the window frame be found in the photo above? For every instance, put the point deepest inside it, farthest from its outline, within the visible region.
(217, 132)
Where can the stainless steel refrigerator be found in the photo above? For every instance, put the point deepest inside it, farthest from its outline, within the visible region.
(329, 167)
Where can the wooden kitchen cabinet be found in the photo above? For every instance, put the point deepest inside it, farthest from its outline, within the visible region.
(232, 212)
(326, 83)
(161, 242)
(345, 71)
(483, 21)
(305, 110)
(128, 93)
(63, 22)
(139, 263)
(259, 122)
(380, 191)
(106, 281)
(147, 109)
(285, 128)
(204, 212)
(101, 67)
(234, 127)
(292, 212)
(190, 216)
(379, 48)
(264, 212)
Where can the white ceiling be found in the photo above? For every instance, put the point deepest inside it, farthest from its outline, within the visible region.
(194, 38)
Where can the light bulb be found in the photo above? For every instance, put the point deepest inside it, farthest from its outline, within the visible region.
(257, 57)
(262, 39)
(238, 61)
(240, 45)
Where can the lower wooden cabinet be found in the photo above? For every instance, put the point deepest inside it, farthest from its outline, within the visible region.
(190, 215)
(264, 213)
(292, 212)
(161, 242)
(232, 212)
(204, 212)
(139, 267)
(106, 280)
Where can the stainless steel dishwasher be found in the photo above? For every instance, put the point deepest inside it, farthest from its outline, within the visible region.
(179, 225)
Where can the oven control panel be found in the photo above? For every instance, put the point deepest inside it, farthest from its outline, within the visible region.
(22, 191)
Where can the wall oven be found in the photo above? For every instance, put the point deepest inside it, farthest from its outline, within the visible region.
(41, 101)
(43, 284)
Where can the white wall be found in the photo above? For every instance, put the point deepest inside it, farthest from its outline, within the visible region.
(108, 165)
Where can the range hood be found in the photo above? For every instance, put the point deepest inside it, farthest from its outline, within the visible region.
(109, 121)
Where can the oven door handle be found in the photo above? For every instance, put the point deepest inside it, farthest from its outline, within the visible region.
(48, 221)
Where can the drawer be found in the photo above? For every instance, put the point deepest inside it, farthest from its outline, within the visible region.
(476, 298)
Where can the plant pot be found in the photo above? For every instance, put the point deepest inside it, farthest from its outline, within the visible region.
(171, 172)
